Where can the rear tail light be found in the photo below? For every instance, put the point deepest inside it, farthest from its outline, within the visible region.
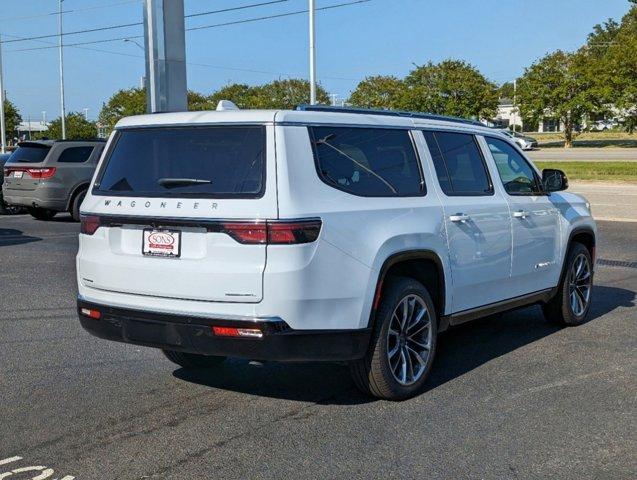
(287, 233)
(274, 232)
(89, 224)
(250, 233)
(237, 332)
(39, 173)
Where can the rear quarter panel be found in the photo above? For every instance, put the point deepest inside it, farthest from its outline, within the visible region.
(358, 235)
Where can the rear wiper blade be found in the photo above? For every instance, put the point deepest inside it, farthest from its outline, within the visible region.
(180, 182)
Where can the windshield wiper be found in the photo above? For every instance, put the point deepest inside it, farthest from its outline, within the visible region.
(181, 182)
(324, 141)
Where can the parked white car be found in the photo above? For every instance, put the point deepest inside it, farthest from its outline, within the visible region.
(323, 234)
(523, 141)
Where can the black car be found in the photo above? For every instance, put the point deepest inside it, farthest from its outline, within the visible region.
(4, 208)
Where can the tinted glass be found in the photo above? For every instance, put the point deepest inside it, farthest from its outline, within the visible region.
(75, 155)
(517, 175)
(186, 162)
(459, 164)
(30, 154)
(369, 162)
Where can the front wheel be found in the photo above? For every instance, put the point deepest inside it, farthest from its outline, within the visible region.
(573, 300)
(41, 213)
(403, 343)
(192, 360)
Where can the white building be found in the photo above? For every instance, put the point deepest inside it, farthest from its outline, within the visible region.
(27, 129)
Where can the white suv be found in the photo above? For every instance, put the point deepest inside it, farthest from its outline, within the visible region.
(322, 234)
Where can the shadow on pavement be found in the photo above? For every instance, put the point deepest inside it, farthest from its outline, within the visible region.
(460, 350)
(11, 236)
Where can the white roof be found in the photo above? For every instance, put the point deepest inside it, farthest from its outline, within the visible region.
(289, 116)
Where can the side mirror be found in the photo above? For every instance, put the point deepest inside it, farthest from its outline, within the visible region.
(554, 180)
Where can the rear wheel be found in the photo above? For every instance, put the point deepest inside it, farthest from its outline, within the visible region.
(41, 213)
(6, 209)
(75, 206)
(192, 360)
(573, 300)
(403, 343)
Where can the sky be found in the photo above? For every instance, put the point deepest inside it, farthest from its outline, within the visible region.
(499, 37)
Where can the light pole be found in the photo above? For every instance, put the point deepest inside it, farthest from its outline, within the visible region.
(312, 56)
(142, 80)
(3, 144)
(62, 106)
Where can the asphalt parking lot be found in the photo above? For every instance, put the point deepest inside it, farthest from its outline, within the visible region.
(509, 396)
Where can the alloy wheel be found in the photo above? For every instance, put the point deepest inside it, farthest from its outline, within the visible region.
(580, 285)
(409, 340)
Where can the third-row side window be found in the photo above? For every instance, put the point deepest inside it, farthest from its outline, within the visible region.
(369, 162)
(459, 164)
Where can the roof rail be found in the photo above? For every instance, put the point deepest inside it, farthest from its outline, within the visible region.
(391, 113)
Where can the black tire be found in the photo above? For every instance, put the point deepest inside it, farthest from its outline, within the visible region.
(6, 209)
(374, 373)
(559, 309)
(41, 213)
(75, 205)
(193, 360)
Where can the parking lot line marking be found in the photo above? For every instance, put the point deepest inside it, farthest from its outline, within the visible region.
(10, 460)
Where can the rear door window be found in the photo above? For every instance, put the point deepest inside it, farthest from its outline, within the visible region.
(75, 155)
(32, 153)
(459, 165)
(215, 162)
(368, 162)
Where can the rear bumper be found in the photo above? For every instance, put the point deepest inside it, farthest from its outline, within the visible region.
(38, 197)
(194, 335)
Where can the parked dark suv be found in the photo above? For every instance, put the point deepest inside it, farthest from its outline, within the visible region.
(50, 176)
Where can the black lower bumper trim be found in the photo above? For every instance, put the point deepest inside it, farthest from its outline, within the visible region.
(194, 335)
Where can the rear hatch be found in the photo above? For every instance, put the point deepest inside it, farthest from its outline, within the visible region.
(179, 212)
(24, 169)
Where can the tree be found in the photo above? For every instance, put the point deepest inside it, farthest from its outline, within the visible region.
(379, 92)
(452, 87)
(132, 101)
(77, 128)
(243, 96)
(198, 102)
(123, 103)
(560, 86)
(12, 119)
(506, 90)
(286, 94)
(614, 69)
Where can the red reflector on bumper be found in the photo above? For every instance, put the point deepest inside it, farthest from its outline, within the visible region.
(94, 314)
(237, 332)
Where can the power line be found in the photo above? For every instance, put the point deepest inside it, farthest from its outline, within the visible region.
(194, 64)
(137, 24)
(203, 27)
(75, 10)
(280, 15)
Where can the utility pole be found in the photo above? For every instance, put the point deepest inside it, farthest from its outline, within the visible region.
(86, 113)
(3, 131)
(61, 47)
(312, 56)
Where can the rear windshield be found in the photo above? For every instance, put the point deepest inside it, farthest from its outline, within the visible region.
(217, 162)
(30, 154)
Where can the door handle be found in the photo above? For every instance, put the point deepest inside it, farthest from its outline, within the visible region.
(521, 214)
(459, 217)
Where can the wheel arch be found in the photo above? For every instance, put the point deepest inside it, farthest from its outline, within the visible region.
(584, 235)
(425, 266)
(75, 192)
